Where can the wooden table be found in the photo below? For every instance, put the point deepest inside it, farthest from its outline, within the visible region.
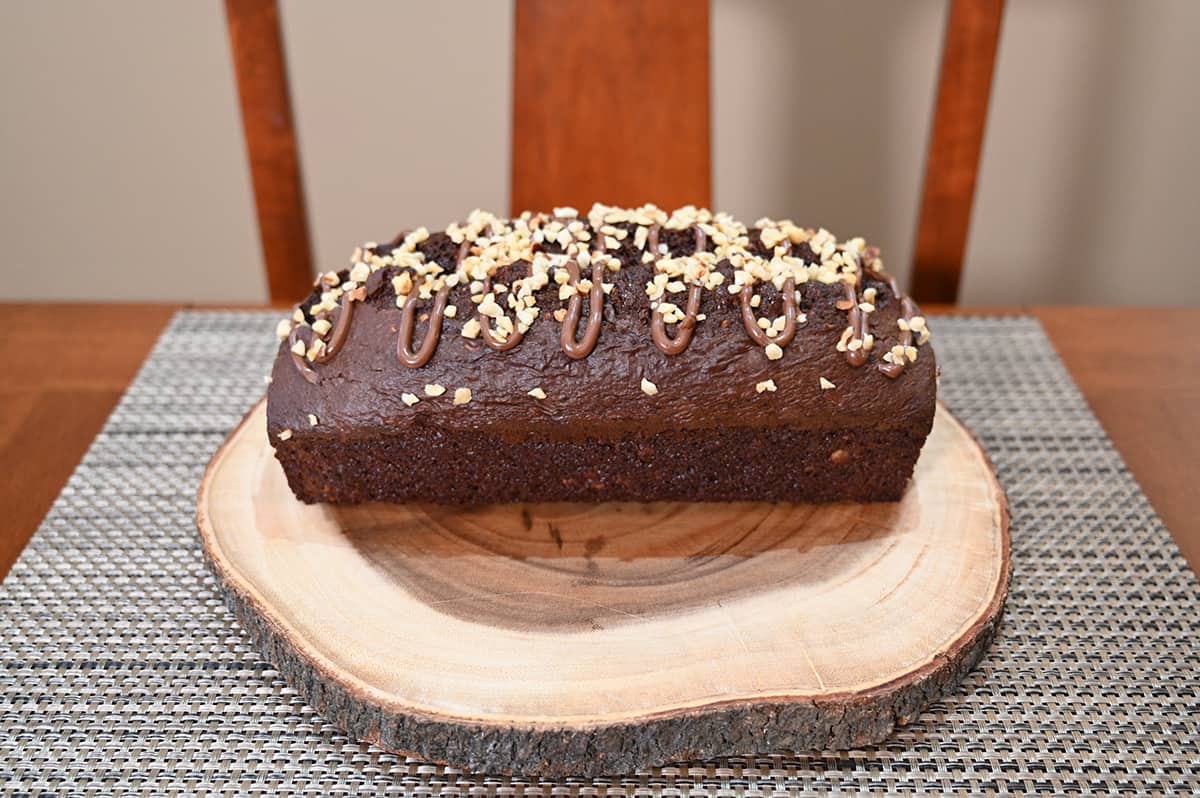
(68, 365)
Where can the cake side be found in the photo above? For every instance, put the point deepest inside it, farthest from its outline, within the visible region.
(839, 386)
(715, 464)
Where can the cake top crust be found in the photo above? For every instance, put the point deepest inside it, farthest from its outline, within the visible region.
(506, 265)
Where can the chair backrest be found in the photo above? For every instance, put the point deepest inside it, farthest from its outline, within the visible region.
(257, 43)
(611, 100)
(955, 144)
(589, 121)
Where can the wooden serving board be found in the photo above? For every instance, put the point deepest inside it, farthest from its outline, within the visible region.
(590, 639)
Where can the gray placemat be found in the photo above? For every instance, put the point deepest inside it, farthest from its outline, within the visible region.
(122, 672)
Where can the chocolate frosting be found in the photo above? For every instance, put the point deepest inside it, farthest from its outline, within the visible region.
(705, 372)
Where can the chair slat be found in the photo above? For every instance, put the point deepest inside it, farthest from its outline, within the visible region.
(257, 46)
(955, 144)
(611, 103)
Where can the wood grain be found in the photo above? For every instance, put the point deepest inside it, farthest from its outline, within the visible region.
(257, 44)
(592, 639)
(955, 144)
(66, 367)
(1138, 369)
(611, 104)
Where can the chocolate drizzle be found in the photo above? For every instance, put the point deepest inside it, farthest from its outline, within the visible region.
(857, 355)
(907, 310)
(685, 328)
(671, 332)
(485, 329)
(404, 351)
(337, 338)
(750, 320)
(582, 347)
(341, 328)
(301, 364)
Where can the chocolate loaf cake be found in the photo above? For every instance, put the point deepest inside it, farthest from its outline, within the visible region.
(622, 355)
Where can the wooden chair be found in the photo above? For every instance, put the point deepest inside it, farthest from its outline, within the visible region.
(576, 58)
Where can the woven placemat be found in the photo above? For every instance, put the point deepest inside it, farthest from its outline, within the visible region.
(121, 671)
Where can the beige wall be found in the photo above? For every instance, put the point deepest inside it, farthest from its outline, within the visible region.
(122, 170)
(822, 111)
(1089, 188)
(403, 112)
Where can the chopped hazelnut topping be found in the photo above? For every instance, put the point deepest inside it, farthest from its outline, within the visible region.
(826, 385)
(433, 389)
(639, 237)
(488, 307)
(489, 244)
(462, 396)
(765, 385)
(537, 393)
(471, 328)
(409, 399)
(312, 420)
(649, 388)
(285, 435)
